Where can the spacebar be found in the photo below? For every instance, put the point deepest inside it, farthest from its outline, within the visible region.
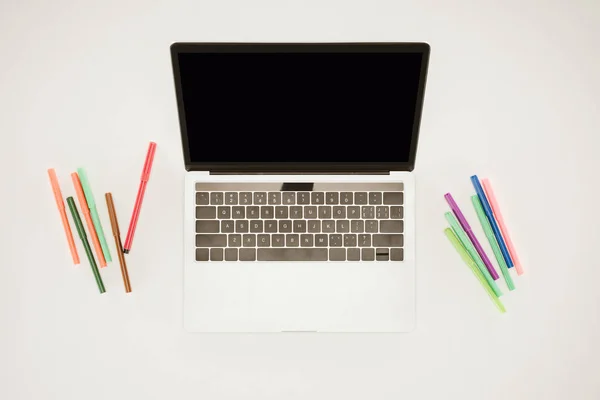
(312, 254)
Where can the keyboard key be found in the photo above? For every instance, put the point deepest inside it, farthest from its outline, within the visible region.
(368, 212)
(391, 226)
(396, 212)
(263, 240)
(227, 226)
(317, 198)
(382, 212)
(267, 212)
(202, 199)
(216, 254)
(353, 212)
(371, 226)
(357, 226)
(249, 240)
(368, 254)
(224, 212)
(231, 254)
(235, 240)
(314, 226)
(324, 212)
(271, 226)
(397, 255)
(203, 240)
(312, 254)
(278, 240)
(245, 198)
(335, 240)
(238, 212)
(382, 254)
(296, 212)
(360, 198)
(299, 226)
(260, 198)
(364, 240)
(388, 240)
(349, 240)
(241, 226)
(231, 198)
(216, 198)
(393, 198)
(342, 226)
(346, 198)
(292, 240)
(289, 198)
(207, 226)
(274, 198)
(306, 240)
(303, 198)
(339, 212)
(375, 198)
(204, 212)
(310, 212)
(321, 240)
(337, 254)
(353, 254)
(285, 226)
(281, 212)
(202, 254)
(328, 226)
(256, 226)
(332, 198)
(247, 254)
(252, 212)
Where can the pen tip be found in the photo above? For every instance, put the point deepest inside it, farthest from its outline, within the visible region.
(126, 251)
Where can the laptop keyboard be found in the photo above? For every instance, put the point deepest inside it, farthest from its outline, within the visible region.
(328, 225)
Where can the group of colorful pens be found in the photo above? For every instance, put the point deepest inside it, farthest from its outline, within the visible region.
(464, 241)
(87, 204)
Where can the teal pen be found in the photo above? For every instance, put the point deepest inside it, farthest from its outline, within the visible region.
(89, 198)
(458, 230)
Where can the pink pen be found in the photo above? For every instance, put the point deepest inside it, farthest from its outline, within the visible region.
(465, 225)
(140, 197)
(496, 210)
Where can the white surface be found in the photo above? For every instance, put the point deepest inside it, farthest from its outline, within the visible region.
(303, 297)
(512, 95)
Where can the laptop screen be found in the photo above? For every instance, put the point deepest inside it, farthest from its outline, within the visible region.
(300, 107)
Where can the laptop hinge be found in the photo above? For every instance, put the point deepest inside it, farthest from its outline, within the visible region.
(298, 173)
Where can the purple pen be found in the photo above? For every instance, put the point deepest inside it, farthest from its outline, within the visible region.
(465, 225)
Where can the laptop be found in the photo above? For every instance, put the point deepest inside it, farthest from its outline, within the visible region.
(299, 193)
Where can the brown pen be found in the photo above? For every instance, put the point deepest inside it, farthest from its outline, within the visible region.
(115, 229)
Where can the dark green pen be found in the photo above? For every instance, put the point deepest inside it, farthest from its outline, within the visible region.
(86, 244)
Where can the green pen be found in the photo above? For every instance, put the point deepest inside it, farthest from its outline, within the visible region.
(473, 267)
(458, 230)
(85, 242)
(89, 198)
(487, 228)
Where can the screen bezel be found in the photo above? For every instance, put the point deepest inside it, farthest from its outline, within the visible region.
(312, 167)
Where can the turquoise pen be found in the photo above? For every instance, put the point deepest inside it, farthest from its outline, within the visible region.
(89, 197)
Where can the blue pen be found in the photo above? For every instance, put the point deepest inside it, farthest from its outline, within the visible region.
(490, 215)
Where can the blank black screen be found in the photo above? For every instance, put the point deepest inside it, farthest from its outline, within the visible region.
(299, 107)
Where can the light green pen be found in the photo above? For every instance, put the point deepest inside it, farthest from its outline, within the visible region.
(487, 228)
(89, 197)
(458, 230)
(469, 261)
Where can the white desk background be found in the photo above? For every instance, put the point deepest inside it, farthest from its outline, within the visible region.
(512, 95)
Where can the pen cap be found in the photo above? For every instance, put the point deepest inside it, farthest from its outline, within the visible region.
(55, 187)
(457, 212)
(481, 194)
(87, 190)
(76, 217)
(112, 214)
(149, 161)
